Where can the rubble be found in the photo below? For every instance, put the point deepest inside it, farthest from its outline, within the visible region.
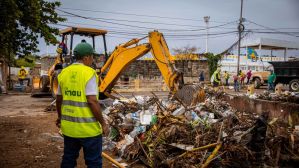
(286, 96)
(207, 134)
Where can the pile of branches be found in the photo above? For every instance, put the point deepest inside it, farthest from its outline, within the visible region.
(231, 139)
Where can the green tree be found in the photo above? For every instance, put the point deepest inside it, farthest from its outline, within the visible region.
(26, 61)
(23, 22)
(212, 62)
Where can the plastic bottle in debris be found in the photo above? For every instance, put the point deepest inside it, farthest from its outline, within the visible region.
(133, 116)
(194, 116)
(145, 117)
(179, 111)
(137, 130)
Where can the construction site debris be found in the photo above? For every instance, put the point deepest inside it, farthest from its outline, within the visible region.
(292, 97)
(165, 133)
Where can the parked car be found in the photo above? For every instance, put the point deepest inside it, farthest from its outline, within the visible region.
(260, 78)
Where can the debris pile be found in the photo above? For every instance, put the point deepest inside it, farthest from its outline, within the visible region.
(286, 96)
(160, 133)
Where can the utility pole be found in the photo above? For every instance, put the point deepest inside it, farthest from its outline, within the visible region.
(240, 29)
(206, 19)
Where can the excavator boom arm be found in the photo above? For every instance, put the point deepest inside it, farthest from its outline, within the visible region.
(122, 56)
(117, 63)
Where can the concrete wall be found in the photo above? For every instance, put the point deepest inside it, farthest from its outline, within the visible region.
(275, 109)
(149, 69)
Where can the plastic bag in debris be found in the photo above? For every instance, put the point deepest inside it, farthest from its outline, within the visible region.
(145, 117)
(227, 113)
(253, 96)
(107, 110)
(142, 100)
(137, 130)
(116, 102)
(121, 145)
(108, 144)
(106, 102)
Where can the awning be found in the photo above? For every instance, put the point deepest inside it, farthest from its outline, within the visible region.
(270, 44)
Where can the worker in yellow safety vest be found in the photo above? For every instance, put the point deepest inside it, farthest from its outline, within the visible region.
(79, 114)
(215, 79)
(22, 74)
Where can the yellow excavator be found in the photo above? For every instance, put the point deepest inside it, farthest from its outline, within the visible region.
(122, 57)
(118, 61)
(128, 52)
(47, 83)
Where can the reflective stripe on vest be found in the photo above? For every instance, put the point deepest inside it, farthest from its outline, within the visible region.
(74, 103)
(77, 119)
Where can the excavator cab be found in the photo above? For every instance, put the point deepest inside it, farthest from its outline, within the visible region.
(48, 84)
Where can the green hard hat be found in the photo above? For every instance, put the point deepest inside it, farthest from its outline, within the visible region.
(83, 49)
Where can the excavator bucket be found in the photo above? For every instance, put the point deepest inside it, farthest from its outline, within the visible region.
(190, 94)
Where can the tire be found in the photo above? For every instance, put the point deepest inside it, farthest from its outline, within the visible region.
(54, 83)
(44, 83)
(294, 85)
(257, 83)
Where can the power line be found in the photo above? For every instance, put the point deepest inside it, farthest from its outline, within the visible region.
(168, 38)
(165, 34)
(130, 14)
(119, 28)
(269, 28)
(136, 21)
(101, 20)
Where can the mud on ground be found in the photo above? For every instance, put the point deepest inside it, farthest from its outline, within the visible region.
(28, 135)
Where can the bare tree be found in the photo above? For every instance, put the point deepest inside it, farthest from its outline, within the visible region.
(185, 53)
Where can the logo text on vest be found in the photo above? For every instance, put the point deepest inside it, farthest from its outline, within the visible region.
(72, 93)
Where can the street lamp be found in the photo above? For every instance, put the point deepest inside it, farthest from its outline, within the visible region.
(206, 19)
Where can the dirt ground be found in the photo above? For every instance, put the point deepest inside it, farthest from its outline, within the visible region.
(28, 135)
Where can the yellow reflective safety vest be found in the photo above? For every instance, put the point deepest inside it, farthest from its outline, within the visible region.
(77, 120)
(216, 76)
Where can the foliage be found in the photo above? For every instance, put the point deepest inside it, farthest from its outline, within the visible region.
(212, 62)
(186, 53)
(23, 22)
(26, 61)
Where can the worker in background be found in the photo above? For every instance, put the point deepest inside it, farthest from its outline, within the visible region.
(249, 74)
(22, 74)
(236, 82)
(271, 81)
(226, 77)
(242, 78)
(201, 77)
(79, 115)
(216, 78)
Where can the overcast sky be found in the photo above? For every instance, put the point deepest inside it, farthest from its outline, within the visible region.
(181, 21)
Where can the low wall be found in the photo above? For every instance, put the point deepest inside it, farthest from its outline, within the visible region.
(276, 109)
(148, 69)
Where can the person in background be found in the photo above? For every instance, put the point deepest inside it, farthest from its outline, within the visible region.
(271, 81)
(249, 74)
(236, 82)
(242, 78)
(226, 77)
(216, 78)
(22, 76)
(201, 76)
